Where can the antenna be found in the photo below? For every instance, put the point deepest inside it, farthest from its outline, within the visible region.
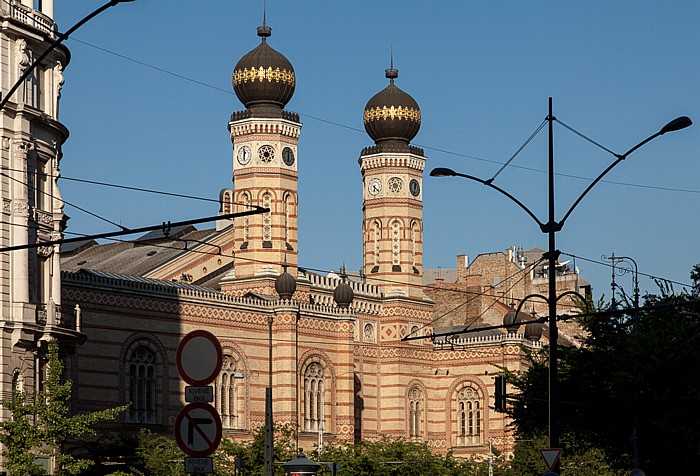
(264, 12)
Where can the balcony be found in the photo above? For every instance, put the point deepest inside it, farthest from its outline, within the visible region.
(31, 17)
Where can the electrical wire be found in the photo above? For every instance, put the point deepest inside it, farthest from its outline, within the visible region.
(436, 149)
(32, 187)
(532, 136)
(651, 276)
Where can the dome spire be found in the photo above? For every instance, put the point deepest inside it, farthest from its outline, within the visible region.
(264, 31)
(392, 73)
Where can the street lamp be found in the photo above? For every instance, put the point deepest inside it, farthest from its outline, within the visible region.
(551, 227)
(59, 39)
(628, 263)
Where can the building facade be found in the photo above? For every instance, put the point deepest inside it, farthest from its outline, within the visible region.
(340, 366)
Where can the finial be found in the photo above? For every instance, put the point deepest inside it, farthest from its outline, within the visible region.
(264, 31)
(392, 73)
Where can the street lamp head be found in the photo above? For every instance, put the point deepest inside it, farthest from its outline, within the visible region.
(676, 125)
(442, 172)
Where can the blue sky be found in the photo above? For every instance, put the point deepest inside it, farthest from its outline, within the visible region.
(155, 115)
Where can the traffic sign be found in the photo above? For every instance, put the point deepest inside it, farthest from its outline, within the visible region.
(550, 456)
(198, 429)
(199, 465)
(199, 358)
(199, 394)
(637, 472)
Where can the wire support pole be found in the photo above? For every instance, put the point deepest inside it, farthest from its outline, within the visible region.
(551, 227)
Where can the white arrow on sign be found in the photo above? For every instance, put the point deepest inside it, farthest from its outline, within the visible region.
(198, 429)
(550, 456)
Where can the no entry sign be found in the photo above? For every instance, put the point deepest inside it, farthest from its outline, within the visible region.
(198, 429)
(199, 358)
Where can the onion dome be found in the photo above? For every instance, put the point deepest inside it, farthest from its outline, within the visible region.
(533, 329)
(343, 294)
(285, 285)
(392, 117)
(264, 79)
(512, 319)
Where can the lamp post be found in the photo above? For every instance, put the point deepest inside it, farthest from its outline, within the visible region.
(626, 260)
(551, 227)
(59, 39)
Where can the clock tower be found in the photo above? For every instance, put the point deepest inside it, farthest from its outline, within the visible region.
(392, 173)
(264, 138)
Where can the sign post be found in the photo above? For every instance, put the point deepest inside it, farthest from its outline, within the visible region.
(198, 425)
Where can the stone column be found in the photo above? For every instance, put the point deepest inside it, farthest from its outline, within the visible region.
(47, 8)
(20, 221)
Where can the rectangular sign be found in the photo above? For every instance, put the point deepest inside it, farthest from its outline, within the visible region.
(199, 465)
(199, 394)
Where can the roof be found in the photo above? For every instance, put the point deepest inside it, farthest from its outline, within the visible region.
(448, 275)
(138, 279)
(135, 258)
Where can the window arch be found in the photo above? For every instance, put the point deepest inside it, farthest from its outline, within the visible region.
(469, 417)
(377, 232)
(229, 394)
(245, 206)
(396, 245)
(415, 239)
(416, 406)
(288, 212)
(314, 399)
(267, 217)
(142, 364)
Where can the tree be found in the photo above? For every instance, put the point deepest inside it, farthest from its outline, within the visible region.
(636, 373)
(40, 423)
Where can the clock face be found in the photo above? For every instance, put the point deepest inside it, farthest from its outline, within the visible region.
(266, 153)
(244, 155)
(288, 156)
(414, 187)
(375, 186)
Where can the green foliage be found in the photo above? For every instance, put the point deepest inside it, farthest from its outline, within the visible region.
(399, 457)
(642, 369)
(40, 424)
(159, 456)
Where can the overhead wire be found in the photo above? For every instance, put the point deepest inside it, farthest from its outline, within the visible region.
(356, 129)
(31, 186)
(609, 265)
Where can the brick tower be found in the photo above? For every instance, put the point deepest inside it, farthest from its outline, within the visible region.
(264, 138)
(392, 172)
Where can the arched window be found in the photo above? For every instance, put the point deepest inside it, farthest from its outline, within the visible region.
(228, 394)
(415, 237)
(142, 385)
(377, 229)
(395, 246)
(267, 227)
(245, 206)
(313, 397)
(17, 384)
(469, 417)
(226, 205)
(287, 220)
(416, 405)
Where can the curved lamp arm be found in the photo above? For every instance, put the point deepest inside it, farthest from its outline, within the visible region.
(59, 39)
(444, 172)
(675, 125)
